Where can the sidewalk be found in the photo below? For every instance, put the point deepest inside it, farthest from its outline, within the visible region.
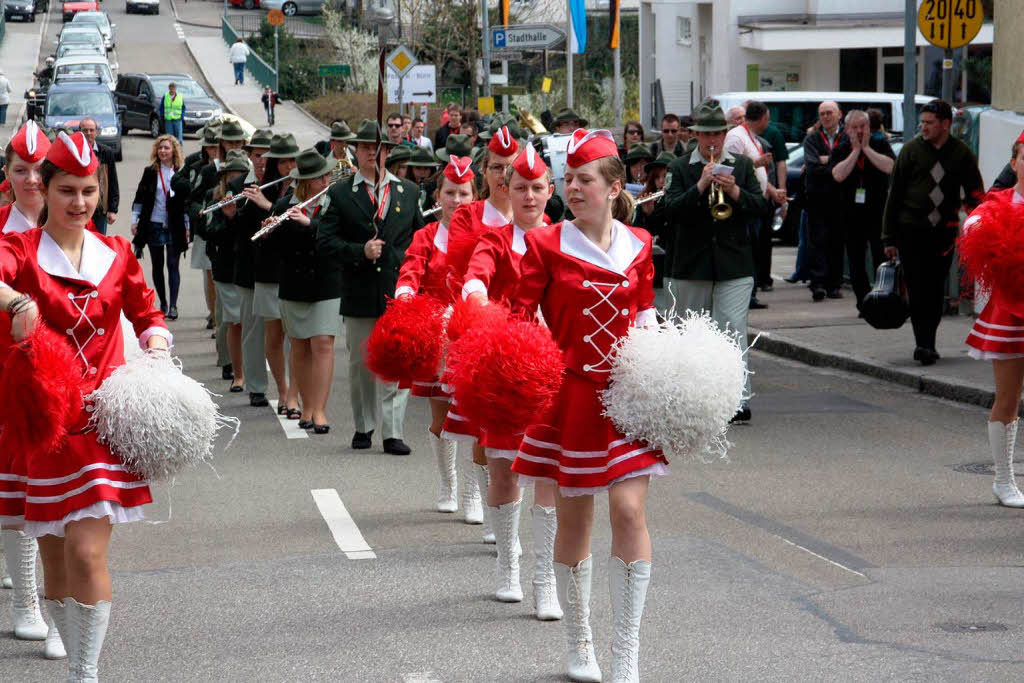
(829, 334)
(210, 52)
(19, 55)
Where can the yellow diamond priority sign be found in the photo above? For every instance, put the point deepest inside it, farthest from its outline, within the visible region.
(401, 60)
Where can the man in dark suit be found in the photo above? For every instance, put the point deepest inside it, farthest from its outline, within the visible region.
(367, 233)
(110, 193)
(712, 261)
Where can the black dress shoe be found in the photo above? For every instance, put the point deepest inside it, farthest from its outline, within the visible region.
(926, 356)
(768, 287)
(236, 389)
(209, 323)
(258, 400)
(226, 372)
(172, 313)
(361, 440)
(321, 429)
(742, 416)
(396, 447)
(817, 294)
(834, 294)
(305, 424)
(756, 305)
(163, 308)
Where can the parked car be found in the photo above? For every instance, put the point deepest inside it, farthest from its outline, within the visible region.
(71, 7)
(68, 49)
(68, 102)
(141, 94)
(84, 35)
(101, 21)
(293, 7)
(23, 9)
(82, 66)
(138, 6)
(246, 4)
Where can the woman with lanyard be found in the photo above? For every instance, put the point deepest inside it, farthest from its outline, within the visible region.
(310, 289)
(278, 161)
(25, 154)
(185, 185)
(156, 224)
(493, 275)
(592, 278)
(425, 272)
(78, 283)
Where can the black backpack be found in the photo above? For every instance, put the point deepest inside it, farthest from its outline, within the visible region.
(886, 306)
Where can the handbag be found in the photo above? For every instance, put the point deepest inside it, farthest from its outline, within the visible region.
(886, 307)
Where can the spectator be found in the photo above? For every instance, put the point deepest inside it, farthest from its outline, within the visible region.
(5, 96)
(685, 134)
(471, 130)
(876, 123)
(417, 137)
(861, 164)
(567, 121)
(922, 217)
(824, 230)
(454, 124)
(106, 174)
(270, 100)
(406, 127)
(172, 111)
(632, 134)
(238, 55)
(669, 140)
(780, 154)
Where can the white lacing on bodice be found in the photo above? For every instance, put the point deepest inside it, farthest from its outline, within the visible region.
(609, 312)
(83, 320)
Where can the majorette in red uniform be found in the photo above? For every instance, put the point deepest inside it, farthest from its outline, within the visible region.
(425, 271)
(493, 274)
(589, 298)
(82, 479)
(998, 333)
(28, 148)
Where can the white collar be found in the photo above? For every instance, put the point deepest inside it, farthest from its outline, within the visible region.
(16, 221)
(624, 248)
(518, 240)
(492, 218)
(389, 177)
(441, 238)
(697, 158)
(97, 258)
(1018, 198)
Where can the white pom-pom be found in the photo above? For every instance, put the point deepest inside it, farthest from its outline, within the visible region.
(156, 419)
(676, 386)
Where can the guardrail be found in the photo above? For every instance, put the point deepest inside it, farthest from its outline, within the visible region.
(260, 70)
(302, 28)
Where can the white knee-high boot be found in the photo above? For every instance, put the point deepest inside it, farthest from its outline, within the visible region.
(56, 621)
(483, 478)
(506, 531)
(574, 595)
(545, 590)
(444, 450)
(472, 504)
(628, 584)
(1001, 439)
(86, 629)
(20, 552)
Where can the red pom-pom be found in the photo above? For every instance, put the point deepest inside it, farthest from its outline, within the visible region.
(408, 340)
(468, 314)
(992, 246)
(505, 378)
(42, 393)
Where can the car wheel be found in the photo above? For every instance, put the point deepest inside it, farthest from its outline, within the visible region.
(32, 18)
(154, 126)
(289, 9)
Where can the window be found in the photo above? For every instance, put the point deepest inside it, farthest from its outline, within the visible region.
(684, 31)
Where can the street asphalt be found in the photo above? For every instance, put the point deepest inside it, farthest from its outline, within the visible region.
(848, 538)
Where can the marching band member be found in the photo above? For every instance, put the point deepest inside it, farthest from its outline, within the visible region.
(310, 288)
(24, 154)
(184, 185)
(78, 282)
(425, 270)
(592, 278)
(267, 265)
(493, 273)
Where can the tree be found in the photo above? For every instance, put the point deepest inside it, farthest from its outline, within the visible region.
(353, 46)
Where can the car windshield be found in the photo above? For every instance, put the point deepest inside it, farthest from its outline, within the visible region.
(76, 49)
(90, 18)
(79, 104)
(186, 87)
(94, 69)
(79, 37)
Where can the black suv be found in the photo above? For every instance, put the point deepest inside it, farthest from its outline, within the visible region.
(142, 95)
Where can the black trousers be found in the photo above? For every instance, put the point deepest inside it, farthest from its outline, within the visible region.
(763, 251)
(926, 264)
(825, 242)
(863, 231)
(156, 252)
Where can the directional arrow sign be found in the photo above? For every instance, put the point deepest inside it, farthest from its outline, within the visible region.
(419, 85)
(526, 37)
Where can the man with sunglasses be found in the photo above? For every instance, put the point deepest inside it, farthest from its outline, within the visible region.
(396, 131)
(669, 142)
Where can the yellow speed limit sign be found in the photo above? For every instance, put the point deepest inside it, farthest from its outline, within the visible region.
(950, 23)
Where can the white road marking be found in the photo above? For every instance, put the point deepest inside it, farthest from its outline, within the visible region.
(290, 427)
(343, 527)
(179, 30)
(820, 557)
(420, 677)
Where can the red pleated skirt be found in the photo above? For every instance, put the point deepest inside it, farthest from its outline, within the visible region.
(998, 333)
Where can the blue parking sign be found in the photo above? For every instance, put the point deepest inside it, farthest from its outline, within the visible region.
(499, 38)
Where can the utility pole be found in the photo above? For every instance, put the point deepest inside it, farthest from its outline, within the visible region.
(485, 61)
(909, 69)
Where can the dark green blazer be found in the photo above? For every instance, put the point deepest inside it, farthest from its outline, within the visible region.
(306, 273)
(347, 225)
(703, 248)
(220, 241)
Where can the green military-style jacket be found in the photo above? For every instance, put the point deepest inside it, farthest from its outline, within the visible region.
(704, 248)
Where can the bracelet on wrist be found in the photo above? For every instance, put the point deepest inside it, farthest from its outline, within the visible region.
(17, 303)
(22, 308)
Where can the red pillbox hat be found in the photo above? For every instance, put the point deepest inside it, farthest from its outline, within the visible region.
(588, 145)
(529, 165)
(30, 143)
(72, 153)
(502, 143)
(459, 170)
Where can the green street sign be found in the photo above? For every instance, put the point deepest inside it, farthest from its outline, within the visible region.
(508, 90)
(333, 70)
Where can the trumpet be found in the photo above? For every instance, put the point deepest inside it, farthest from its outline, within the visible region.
(654, 196)
(345, 169)
(239, 197)
(720, 209)
(273, 223)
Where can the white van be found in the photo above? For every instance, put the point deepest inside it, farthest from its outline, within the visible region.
(793, 112)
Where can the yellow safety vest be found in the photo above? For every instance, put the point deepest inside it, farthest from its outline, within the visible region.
(172, 108)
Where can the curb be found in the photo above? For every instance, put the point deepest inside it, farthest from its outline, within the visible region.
(309, 116)
(933, 386)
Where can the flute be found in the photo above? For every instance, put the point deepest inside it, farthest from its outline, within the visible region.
(651, 197)
(275, 222)
(431, 212)
(237, 197)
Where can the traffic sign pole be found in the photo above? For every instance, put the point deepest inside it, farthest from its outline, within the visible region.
(909, 70)
(485, 60)
(947, 76)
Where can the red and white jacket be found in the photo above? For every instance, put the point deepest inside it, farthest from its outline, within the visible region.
(494, 267)
(425, 268)
(13, 220)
